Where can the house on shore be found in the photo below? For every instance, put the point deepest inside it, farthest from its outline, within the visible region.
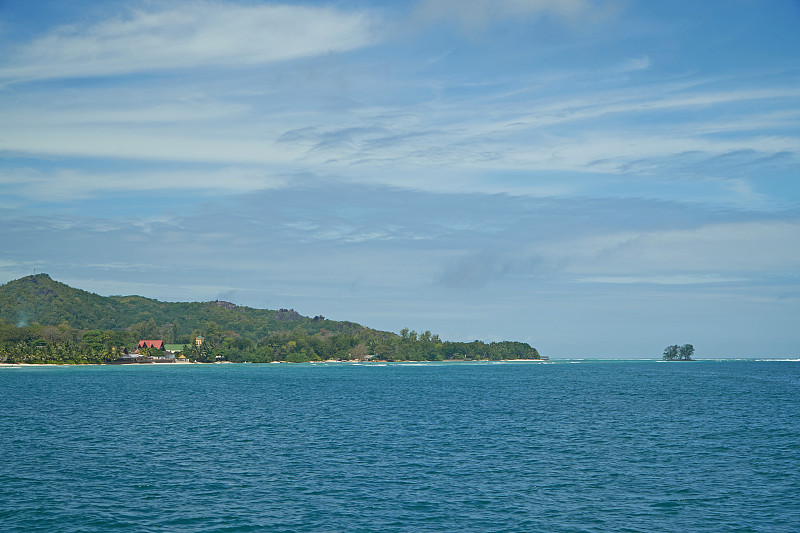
(128, 359)
(151, 344)
(139, 358)
(167, 357)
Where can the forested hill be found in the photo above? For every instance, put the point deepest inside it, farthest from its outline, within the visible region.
(44, 321)
(40, 300)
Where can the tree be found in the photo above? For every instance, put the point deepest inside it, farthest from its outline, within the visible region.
(359, 351)
(146, 329)
(678, 353)
(151, 352)
(686, 352)
(95, 339)
(671, 352)
(213, 333)
(52, 334)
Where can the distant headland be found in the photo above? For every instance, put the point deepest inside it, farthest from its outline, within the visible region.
(43, 321)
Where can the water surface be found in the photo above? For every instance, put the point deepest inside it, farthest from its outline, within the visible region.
(592, 446)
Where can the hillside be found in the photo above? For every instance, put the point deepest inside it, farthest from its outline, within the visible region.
(40, 300)
(44, 321)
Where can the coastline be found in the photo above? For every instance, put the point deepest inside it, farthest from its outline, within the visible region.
(383, 363)
(21, 365)
(375, 361)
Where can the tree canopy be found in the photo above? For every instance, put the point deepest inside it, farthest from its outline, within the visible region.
(678, 353)
(44, 321)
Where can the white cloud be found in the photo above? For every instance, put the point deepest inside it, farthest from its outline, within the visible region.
(71, 113)
(629, 102)
(180, 35)
(714, 252)
(219, 146)
(460, 142)
(401, 145)
(68, 184)
(564, 133)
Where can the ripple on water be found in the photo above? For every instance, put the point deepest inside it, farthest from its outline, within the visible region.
(512, 447)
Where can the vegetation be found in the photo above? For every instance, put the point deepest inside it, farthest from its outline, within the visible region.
(678, 353)
(43, 321)
(40, 300)
(60, 344)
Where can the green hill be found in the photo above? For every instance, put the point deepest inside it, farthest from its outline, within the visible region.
(40, 300)
(44, 321)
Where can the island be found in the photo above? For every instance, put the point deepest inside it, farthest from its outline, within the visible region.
(679, 353)
(43, 321)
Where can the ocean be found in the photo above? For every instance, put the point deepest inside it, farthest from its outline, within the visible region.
(563, 446)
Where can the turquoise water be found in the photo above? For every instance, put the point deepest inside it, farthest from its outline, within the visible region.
(590, 446)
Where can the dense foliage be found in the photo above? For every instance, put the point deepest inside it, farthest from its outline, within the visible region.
(60, 344)
(40, 300)
(43, 321)
(678, 353)
(298, 346)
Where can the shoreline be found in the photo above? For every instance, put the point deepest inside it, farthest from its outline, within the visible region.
(21, 365)
(6, 365)
(566, 360)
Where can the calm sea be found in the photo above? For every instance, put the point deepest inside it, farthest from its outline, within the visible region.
(582, 446)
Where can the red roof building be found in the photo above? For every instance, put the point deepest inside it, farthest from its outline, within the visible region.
(152, 344)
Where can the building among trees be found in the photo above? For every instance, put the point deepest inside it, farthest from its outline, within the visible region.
(159, 345)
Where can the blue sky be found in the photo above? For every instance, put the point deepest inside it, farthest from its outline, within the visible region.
(597, 178)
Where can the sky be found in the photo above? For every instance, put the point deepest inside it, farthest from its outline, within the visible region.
(598, 178)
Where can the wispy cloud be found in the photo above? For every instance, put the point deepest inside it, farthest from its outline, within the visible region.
(477, 269)
(169, 35)
(713, 251)
(404, 147)
(732, 252)
(532, 124)
(72, 113)
(65, 184)
(661, 280)
(476, 14)
(635, 64)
